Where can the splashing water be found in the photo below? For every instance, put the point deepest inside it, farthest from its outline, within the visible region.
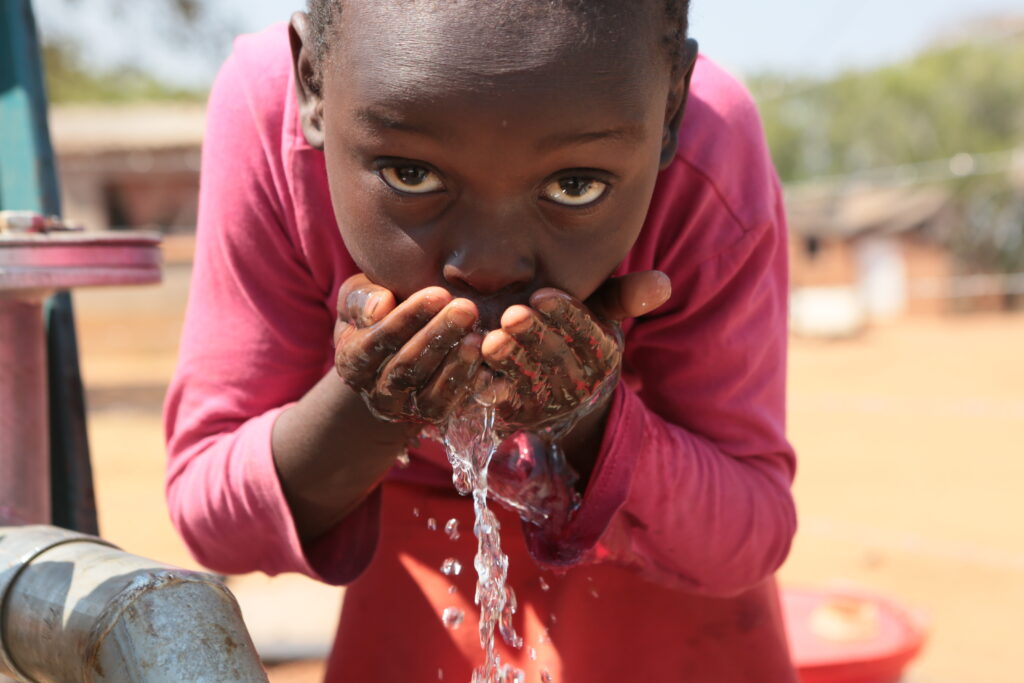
(451, 567)
(451, 528)
(533, 478)
(452, 617)
(470, 441)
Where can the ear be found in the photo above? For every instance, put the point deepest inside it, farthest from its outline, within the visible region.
(677, 97)
(308, 84)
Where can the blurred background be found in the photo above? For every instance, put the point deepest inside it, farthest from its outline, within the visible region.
(898, 130)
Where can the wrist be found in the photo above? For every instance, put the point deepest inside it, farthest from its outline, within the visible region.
(330, 452)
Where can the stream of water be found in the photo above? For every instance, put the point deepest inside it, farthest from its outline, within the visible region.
(470, 440)
(532, 477)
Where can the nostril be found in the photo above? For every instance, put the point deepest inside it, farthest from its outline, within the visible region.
(487, 281)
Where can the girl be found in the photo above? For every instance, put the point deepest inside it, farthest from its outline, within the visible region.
(430, 190)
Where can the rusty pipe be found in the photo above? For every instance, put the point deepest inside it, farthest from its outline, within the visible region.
(74, 608)
(24, 416)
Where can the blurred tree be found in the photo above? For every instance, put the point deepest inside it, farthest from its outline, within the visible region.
(185, 24)
(68, 81)
(953, 99)
(967, 97)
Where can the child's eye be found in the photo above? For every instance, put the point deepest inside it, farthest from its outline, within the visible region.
(574, 190)
(411, 179)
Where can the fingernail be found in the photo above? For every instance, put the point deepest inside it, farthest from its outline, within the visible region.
(461, 317)
(372, 302)
(502, 349)
(520, 326)
(547, 305)
(664, 288)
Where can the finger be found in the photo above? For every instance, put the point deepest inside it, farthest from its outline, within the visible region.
(595, 345)
(363, 303)
(418, 360)
(631, 295)
(547, 345)
(453, 381)
(505, 355)
(360, 359)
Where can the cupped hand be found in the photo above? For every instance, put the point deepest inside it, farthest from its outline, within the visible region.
(413, 361)
(553, 358)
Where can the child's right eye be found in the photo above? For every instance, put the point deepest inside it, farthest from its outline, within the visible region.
(411, 179)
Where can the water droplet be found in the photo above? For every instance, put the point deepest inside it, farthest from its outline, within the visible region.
(440, 674)
(432, 524)
(451, 567)
(415, 512)
(544, 584)
(452, 617)
(451, 528)
(554, 619)
(451, 590)
(545, 676)
(593, 593)
(403, 459)
(533, 654)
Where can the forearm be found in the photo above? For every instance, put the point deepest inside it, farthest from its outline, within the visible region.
(330, 452)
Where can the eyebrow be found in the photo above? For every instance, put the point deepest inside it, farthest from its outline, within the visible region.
(378, 119)
(632, 134)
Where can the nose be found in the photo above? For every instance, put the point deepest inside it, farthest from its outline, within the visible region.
(499, 275)
(491, 263)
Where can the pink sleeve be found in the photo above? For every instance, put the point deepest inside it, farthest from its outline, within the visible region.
(692, 483)
(257, 336)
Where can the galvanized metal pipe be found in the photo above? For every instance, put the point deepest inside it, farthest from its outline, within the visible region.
(24, 418)
(75, 608)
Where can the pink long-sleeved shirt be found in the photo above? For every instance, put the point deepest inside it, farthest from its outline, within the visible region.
(690, 495)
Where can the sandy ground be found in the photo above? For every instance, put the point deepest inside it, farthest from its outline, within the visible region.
(911, 441)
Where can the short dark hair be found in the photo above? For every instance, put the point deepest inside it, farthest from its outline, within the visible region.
(323, 15)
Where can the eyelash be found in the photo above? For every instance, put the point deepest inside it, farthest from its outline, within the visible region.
(588, 177)
(390, 167)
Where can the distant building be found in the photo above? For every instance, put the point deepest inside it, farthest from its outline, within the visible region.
(134, 166)
(871, 250)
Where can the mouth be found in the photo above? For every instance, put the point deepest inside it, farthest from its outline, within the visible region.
(490, 309)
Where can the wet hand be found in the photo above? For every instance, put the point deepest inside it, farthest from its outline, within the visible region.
(411, 362)
(553, 358)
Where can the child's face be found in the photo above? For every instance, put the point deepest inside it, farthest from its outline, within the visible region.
(490, 160)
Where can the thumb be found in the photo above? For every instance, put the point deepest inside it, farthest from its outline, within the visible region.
(631, 295)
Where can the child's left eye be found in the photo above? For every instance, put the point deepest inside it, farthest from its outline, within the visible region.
(574, 190)
(411, 179)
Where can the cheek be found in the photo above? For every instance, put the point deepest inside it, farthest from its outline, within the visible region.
(582, 263)
(387, 254)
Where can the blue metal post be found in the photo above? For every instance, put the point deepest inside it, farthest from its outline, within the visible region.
(28, 181)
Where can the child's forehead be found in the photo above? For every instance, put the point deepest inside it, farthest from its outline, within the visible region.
(413, 48)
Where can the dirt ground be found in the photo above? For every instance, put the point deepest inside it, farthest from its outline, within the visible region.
(910, 438)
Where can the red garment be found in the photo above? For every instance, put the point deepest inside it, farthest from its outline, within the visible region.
(688, 511)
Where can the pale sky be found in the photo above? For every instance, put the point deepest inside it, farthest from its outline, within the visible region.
(793, 36)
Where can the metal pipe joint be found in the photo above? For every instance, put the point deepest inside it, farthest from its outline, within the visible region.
(74, 608)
